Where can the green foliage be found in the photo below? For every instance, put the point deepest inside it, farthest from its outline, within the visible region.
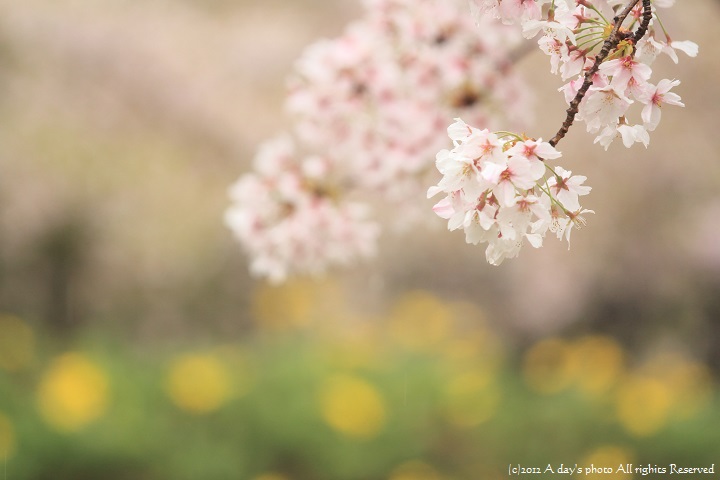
(340, 397)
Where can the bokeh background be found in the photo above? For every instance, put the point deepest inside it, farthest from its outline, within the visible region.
(134, 344)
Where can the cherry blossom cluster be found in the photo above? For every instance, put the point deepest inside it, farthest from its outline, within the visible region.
(287, 219)
(572, 32)
(501, 190)
(501, 187)
(382, 94)
(370, 111)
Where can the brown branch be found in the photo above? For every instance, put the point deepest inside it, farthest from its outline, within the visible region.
(610, 43)
(647, 16)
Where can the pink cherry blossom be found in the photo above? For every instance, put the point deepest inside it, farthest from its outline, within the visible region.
(625, 70)
(655, 98)
(510, 10)
(687, 47)
(536, 151)
(566, 188)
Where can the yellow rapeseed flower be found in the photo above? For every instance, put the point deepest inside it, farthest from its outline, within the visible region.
(7, 437)
(73, 392)
(550, 366)
(689, 381)
(471, 399)
(693, 387)
(352, 406)
(600, 361)
(415, 470)
(479, 349)
(17, 344)
(198, 383)
(357, 347)
(296, 304)
(419, 320)
(608, 457)
(271, 476)
(643, 404)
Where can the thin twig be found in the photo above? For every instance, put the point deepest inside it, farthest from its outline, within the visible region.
(610, 43)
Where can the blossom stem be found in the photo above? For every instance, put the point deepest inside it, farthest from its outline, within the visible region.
(503, 133)
(592, 47)
(667, 37)
(592, 7)
(552, 170)
(595, 39)
(610, 43)
(591, 34)
(595, 21)
(553, 199)
(578, 30)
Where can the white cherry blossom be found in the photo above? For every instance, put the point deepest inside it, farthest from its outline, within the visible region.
(603, 106)
(566, 188)
(655, 98)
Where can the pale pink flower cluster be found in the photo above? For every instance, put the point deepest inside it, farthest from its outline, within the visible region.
(381, 95)
(370, 109)
(501, 190)
(289, 223)
(572, 33)
(500, 187)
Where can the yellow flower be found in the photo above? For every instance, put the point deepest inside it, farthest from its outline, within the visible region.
(479, 349)
(357, 347)
(643, 404)
(415, 470)
(419, 320)
(271, 476)
(608, 458)
(690, 382)
(73, 392)
(352, 406)
(549, 366)
(7, 437)
(599, 361)
(693, 388)
(471, 399)
(17, 344)
(296, 304)
(198, 383)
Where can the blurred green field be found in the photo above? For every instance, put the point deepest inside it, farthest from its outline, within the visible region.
(319, 390)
